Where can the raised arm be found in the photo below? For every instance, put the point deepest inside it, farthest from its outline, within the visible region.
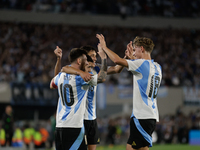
(128, 55)
(103, 71)
(113, 56)
(58, 53)
(114, 69)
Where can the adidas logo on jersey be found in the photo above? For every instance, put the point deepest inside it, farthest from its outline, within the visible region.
(68, 77)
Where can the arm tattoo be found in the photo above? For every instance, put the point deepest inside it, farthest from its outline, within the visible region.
(103, 72)
(104, 64)
(101, 76)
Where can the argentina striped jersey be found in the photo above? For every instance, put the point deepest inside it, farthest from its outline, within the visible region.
(90, 111)
(72, 91)
(147, 76)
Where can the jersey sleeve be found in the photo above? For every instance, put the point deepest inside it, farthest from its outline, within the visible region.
(93, 81)
(56, 78)
(97, 68)
(133, 65)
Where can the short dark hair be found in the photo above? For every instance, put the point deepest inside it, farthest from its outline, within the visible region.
(89, 59)
(88, 48)
(76, 53)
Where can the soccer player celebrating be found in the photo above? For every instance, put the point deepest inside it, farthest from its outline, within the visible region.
(90, 122)
(71, 105)
(147, 76)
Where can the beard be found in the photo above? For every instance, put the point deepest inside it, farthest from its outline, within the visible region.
(82, 66)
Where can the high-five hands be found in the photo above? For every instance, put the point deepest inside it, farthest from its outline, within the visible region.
(129, 51)
(101, 52)
(102, 41)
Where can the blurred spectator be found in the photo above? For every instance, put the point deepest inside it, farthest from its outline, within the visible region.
(30, 49)
(165, 8)
(52, 131)
(17, 140)
(170, 129)
(45, 136)
(2, 136)
(8, 125)
(37, 138)
(27, 135)
(110, 138)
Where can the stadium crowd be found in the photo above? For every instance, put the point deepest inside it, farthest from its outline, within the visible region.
(164, 8)
(171, 129)
(26, 55)
(26, 50)
(15, 133)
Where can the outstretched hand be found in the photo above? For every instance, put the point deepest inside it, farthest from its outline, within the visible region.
(58, 52)
(129, 51)
(101, 52)
(101, 40)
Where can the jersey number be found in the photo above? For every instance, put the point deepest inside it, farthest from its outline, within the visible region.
(154, 89)
(64, 97)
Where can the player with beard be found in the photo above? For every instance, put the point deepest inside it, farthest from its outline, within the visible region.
(71, 105)
(90, 122)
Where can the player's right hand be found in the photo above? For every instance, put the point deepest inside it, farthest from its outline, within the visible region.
(58, 52)
(129, 51)
(86, 76)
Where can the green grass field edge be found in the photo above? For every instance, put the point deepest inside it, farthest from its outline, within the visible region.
(155, 147)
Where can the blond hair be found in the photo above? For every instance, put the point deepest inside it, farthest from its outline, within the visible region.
(147, 43)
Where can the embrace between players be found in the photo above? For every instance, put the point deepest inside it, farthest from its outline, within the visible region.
(76, 125)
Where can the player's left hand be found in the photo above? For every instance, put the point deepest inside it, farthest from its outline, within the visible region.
(101, 40)
(101, 52)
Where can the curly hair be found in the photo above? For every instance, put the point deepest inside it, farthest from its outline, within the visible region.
(147, 43)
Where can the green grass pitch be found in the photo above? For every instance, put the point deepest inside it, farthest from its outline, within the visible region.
(155, 147)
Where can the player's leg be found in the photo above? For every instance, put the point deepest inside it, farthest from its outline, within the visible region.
(92, 147)
(140, 134)
(129, 147)
(92, 133)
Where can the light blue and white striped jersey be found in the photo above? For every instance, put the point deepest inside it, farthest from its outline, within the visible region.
(72, 91)
(147, 76)
(90, 111)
